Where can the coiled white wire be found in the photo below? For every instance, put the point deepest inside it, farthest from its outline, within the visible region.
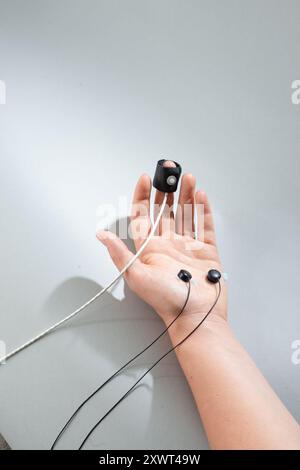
(105, 289)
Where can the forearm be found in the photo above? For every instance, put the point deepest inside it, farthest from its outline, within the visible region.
(238, 408)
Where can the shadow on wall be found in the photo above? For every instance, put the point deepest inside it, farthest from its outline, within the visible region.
(116, 330)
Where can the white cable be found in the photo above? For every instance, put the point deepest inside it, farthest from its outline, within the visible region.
(105, 289)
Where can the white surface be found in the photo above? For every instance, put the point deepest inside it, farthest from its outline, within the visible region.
(97, 91)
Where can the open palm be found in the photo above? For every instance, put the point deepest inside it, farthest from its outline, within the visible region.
(177, 245)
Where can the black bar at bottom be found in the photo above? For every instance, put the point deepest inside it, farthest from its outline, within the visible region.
(133, 459)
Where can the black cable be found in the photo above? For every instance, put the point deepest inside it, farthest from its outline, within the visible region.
(150, 368)
(119, 370)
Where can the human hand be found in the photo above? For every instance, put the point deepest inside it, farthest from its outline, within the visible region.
(153, 276)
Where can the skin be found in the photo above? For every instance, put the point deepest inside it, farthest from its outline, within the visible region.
(238, 408)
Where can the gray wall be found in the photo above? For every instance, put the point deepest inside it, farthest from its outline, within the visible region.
(96, 92)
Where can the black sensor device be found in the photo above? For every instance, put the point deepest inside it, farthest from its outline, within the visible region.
(184, 275)
(214, 276)
(166, 178)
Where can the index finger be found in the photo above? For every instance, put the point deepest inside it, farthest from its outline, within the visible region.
(140, 212)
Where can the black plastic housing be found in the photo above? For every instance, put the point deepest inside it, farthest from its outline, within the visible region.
(162, 174)
(184, 275)
(214, 276)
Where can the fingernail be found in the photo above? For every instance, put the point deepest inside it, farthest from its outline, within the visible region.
(169, 164)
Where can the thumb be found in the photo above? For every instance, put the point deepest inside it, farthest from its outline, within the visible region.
(117, 249)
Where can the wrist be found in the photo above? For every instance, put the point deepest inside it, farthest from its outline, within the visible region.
(201, 351)
(213, 329)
